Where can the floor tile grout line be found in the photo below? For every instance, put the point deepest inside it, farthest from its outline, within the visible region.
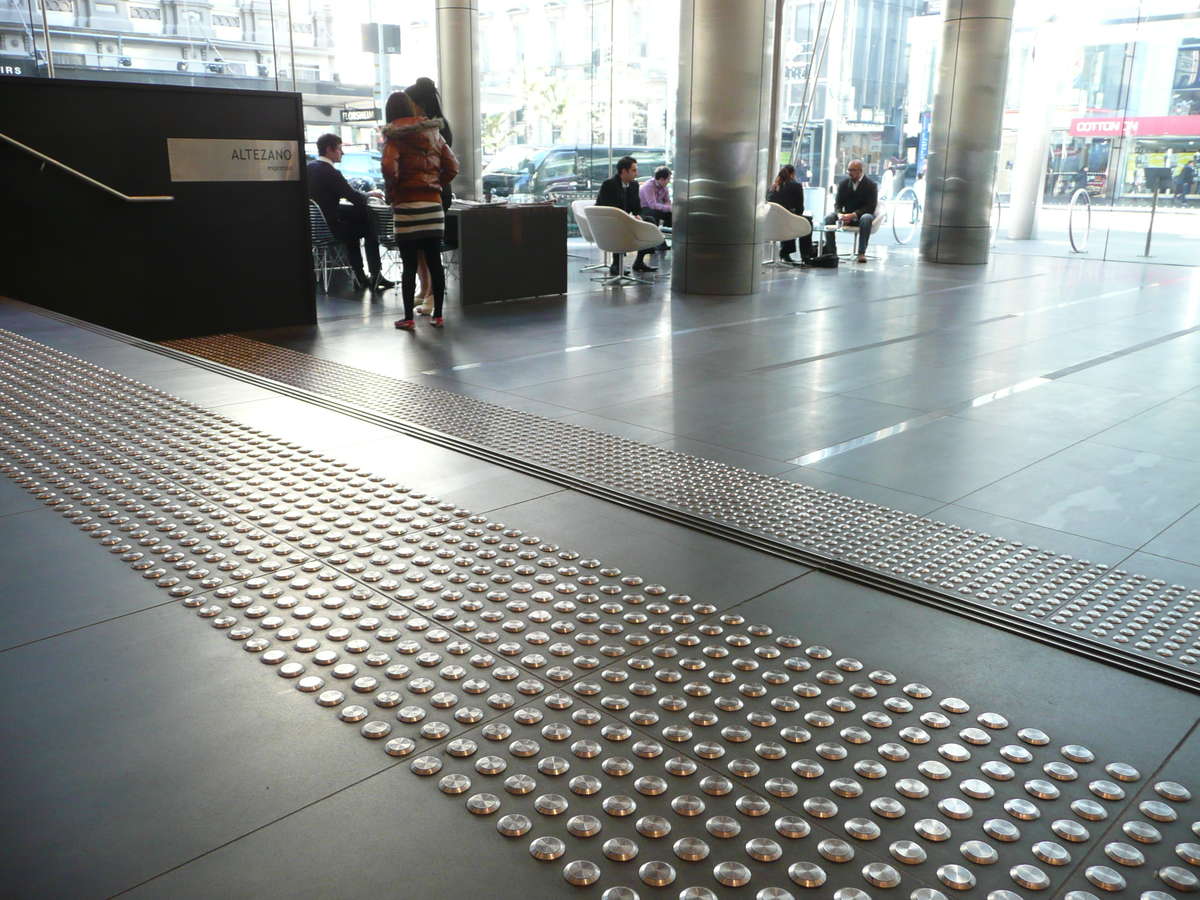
(134, 612)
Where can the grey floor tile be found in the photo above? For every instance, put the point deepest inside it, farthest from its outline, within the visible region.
(615, 426)
(749, 461)
(937, 387)
(945, 459)
(314, 426)
(1181, 540)
(1168, 429)
(210, 389)
(792, 431)
(1121, 497)
(15, 499)
(58, 580)
(1061, 407)
(160, 742)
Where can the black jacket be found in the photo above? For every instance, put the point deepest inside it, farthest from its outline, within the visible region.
(790, 196)
(859, 202)
(327, 186)
(622, 196)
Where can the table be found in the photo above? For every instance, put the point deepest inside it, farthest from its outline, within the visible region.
(507, 252)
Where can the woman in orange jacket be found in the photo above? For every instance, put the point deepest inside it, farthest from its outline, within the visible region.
(417, 163)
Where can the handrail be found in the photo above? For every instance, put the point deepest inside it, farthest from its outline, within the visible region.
(149, 198)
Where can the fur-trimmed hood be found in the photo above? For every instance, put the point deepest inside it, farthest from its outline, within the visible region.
(401, 127)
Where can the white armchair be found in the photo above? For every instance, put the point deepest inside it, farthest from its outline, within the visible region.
(579, 210)
(618, 232)
(777, 224)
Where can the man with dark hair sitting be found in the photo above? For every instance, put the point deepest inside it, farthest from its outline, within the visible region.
(621, 191)
(656, 201)
(349, 224)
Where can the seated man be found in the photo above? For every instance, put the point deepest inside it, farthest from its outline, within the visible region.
(854, 204)
(349, 224)
(621, 191)
(656, 200)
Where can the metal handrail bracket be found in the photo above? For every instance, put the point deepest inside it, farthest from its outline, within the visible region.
(149, 198)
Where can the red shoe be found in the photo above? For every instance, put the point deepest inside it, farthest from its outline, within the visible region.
(405, 324)
(437, 322)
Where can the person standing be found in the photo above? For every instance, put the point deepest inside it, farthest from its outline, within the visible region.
(854, 204)
(428, 103)
(349, 223)
(787, 191)
(656, 201)
(621, 191)
(417, 165)
(1184, 182)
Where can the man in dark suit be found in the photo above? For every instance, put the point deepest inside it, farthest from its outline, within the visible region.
(349, 224)
(621, 191)
(855, 204)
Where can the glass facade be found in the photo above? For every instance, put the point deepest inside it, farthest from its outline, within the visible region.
(569, 86)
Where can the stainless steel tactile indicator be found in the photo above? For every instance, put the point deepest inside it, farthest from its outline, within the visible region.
(1125, 612)
(639, 740)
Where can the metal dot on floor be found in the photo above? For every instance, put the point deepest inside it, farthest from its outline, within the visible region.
(979, 852)
(551, 804)
(653, 827)
(881, 875)
(620, 892)
(547, 848)
(1106, 790)
(581, 872)
(908, 852)
(657, 873)
(836, 850)
(1142, 832)
(620, 849)
(955, 877)
(518, 785)
(932, 829)
(1051, 853)
(1124, 854)
(1122, 771)
(691, 849)
(807, 874)
(1188, 852)
(731, 874)
(1030, 877)
(1179, 878)
(1157, 810)
(1070, 830)
(764, 849)
(1089, 809)
(511, 825)
(1002, 830)
(1105, 878)
(1173, 791)
(793, 827)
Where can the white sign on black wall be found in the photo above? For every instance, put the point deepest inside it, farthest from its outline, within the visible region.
(219, 159)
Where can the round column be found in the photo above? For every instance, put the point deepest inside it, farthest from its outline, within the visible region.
(722, 115)
(965, 134)
(458, 81)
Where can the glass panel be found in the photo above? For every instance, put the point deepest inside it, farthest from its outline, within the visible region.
(349, 57)
(857, 83)
(561, 102)
(180, 42)
(22, 43)
(1122, 127)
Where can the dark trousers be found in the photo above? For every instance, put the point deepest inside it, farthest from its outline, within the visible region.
(410, 252)
(354, 225)
(619, 260)
(659, 218)
(807, 251)
(864, 232)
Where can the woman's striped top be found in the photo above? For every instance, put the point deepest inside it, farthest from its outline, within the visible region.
(418, 219)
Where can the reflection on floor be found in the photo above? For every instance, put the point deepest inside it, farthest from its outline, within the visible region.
(1042, 400)
(330, 675)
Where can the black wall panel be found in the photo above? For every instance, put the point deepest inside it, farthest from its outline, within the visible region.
(223, 256)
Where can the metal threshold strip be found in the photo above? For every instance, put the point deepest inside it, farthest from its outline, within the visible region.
(1061, 597)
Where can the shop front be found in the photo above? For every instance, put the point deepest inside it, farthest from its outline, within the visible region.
(1124, 159)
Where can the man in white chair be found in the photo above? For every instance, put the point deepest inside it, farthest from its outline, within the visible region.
(854, 204)
(621, 191)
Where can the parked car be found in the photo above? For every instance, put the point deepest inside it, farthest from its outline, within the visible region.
(506, 167)
(567, 169)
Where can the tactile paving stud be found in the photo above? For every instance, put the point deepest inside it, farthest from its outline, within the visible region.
(657, 873)
(510, 825)
(1051, 854)
(547, 848)
(581, 872)
(908, 852)
(881, 875)
(731, 874)
(1105, 878)
(835, 850)
(1188, 852)
(979, 852)
(691, 849)
(1030, 877)
(620, 849)
(807, 874)
(957, 878)
(1178, 878)
(1173, 791)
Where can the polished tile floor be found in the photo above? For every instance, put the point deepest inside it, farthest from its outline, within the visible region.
(151, 755)
(1050, 401)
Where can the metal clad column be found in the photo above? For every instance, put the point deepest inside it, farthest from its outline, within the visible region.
(458, 81)
(722, 115)
(965, 137)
